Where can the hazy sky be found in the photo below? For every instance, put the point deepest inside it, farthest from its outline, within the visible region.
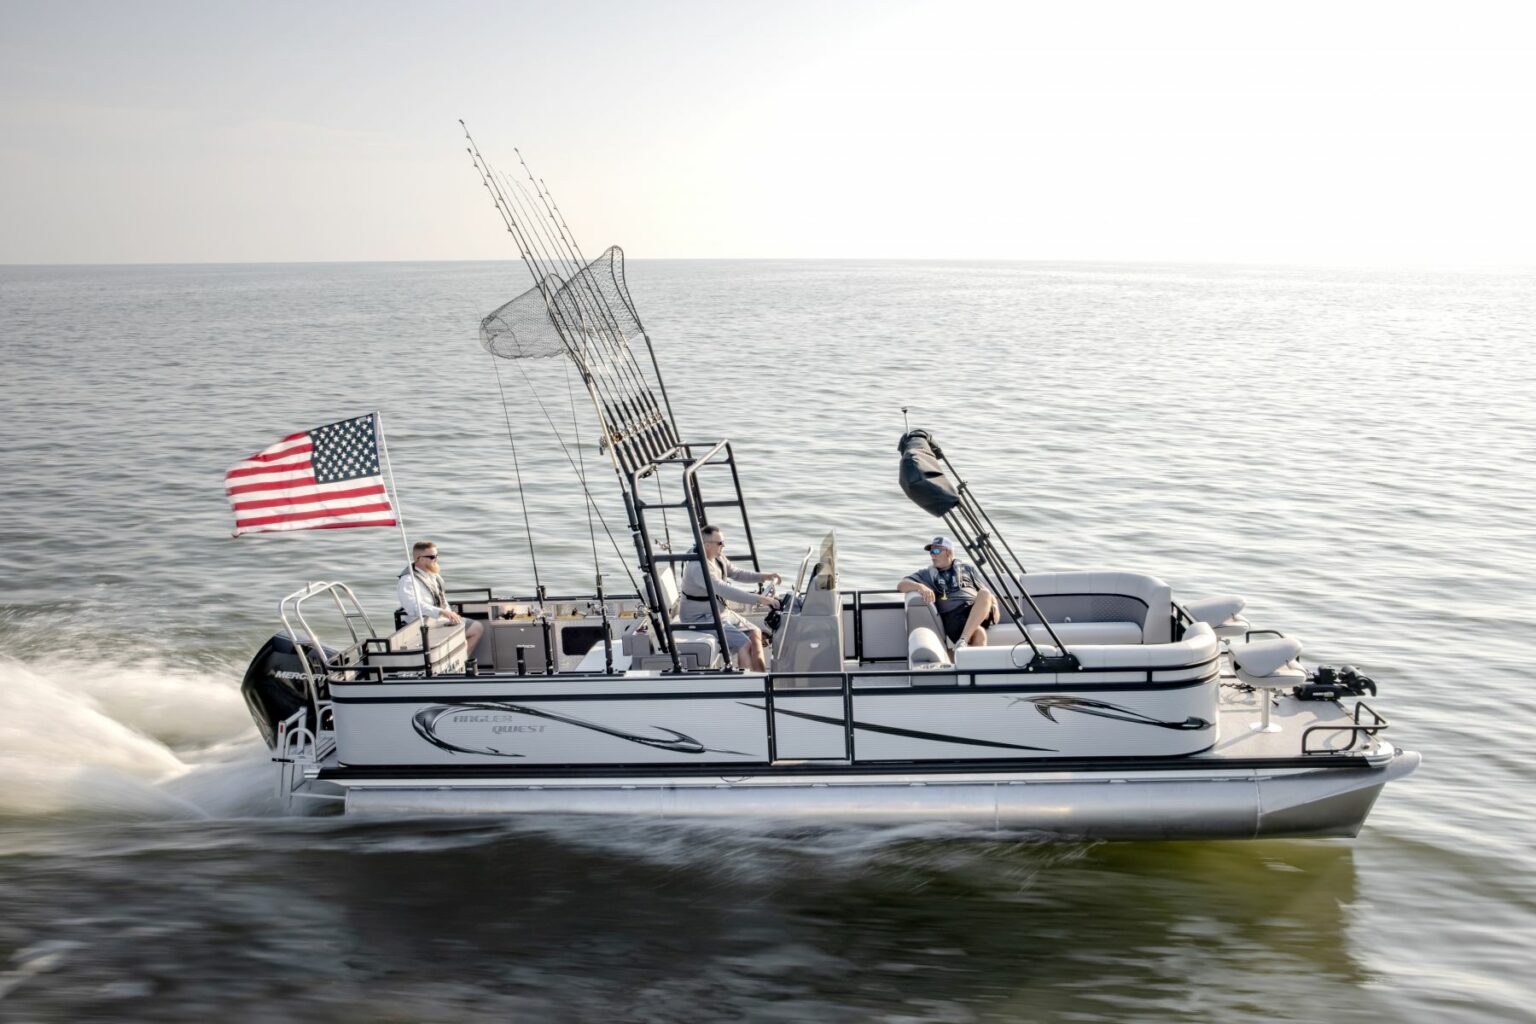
(1375, 133)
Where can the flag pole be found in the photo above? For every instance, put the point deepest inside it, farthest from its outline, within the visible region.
(405, 544)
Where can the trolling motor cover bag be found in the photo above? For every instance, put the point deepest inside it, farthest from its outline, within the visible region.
(922, 475)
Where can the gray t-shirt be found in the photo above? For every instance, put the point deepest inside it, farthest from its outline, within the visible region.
(952, 588)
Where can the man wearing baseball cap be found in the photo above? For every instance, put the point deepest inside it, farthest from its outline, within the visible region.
(956, 592)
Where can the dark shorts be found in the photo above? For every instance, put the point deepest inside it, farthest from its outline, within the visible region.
(954, 621)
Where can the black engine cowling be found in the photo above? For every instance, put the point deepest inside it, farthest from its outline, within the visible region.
(274, 686)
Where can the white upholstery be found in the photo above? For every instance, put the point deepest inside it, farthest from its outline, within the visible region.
(446, 649)
(925, 649)
(1222, 613)
(1198, 645)
(671, 597)
(1261, 658)
(1268, 665)
(1069, 633)
(1214, 610)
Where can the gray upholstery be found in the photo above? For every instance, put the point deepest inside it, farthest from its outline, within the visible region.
(1105, 595)
(925, 649)
(703, 646)
(922, 615)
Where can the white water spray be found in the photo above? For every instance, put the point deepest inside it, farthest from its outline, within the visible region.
(85, 737)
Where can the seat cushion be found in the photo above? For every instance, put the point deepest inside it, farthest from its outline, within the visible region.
(1070, 633)
(925, 649)
(703, 646)
(1260, 658)
(1214, 610)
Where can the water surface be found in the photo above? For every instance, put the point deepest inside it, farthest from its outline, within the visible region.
(1352, 451)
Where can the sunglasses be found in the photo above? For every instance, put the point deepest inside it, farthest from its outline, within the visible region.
(430, 558)
(937, 551)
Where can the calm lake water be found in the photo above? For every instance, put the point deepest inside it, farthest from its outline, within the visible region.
(1355, 452)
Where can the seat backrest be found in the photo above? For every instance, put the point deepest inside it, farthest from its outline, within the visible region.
(1105, 596)
(922, 615)
(671, 596)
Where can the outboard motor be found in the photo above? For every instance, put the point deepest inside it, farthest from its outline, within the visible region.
(275, 685)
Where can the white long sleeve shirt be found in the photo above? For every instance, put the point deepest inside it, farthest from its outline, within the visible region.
(431, 590)
(721, 570)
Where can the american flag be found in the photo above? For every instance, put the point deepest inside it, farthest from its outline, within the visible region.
(323, 479)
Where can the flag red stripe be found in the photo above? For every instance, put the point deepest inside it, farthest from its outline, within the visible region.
(277, 451)
(294, 517)
(309, 499)
(274, 468)
(300, 485)
(291, 482)
(343, 526)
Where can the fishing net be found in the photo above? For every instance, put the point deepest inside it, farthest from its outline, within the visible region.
(524, 328)
(600, 291)
(591, 311)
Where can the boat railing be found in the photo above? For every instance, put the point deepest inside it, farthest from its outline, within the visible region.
(291, 610)
(1356, 729)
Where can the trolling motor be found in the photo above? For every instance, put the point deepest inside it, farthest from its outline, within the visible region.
(1329, 683)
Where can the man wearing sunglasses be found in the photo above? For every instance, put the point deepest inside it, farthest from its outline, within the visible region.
(744, 639)
(422, 594)
(964, 605)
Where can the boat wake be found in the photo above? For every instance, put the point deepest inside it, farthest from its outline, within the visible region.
(84, 737)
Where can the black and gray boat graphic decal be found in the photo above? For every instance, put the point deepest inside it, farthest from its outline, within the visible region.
(891, 730)
(1048, 706)
(427, 719)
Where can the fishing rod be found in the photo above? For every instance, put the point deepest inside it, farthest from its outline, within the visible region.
(522, 494)
(619, 340)
(526, 249)
(627, 405)
(635, 423)
(630, 306)
(538, 267)
(617, 402)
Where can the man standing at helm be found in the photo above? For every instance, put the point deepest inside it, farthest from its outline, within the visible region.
(744, 639)
(423, 596)
(955, 591)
